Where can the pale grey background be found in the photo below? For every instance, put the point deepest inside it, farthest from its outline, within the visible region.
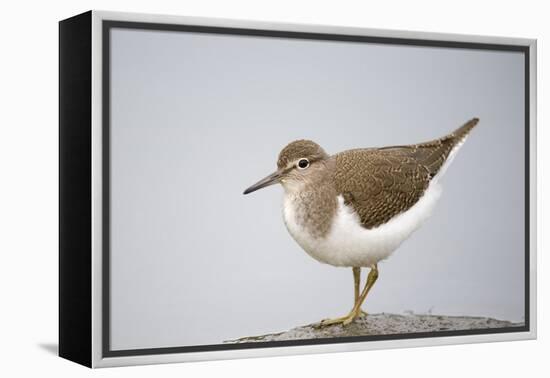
(196, 118)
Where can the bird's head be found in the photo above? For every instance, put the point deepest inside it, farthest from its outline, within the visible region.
(297, 163)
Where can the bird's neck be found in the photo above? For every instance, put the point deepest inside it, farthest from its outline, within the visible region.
(312, 204)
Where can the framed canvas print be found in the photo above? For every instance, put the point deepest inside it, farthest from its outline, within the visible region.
(233, 189)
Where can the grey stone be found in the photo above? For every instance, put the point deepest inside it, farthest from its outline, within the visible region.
(383, 324)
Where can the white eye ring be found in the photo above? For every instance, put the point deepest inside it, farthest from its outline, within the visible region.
(303, 163)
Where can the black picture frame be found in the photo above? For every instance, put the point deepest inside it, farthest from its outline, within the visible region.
(76, 56)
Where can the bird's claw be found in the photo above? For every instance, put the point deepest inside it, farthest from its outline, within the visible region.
(344, 320)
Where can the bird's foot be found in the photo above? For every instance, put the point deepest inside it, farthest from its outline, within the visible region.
(344, 320)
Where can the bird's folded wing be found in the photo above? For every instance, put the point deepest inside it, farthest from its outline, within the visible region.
(380, 183)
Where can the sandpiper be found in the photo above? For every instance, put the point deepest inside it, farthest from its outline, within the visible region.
(354, 208)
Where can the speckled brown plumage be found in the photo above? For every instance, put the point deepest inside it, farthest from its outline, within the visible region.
(380, 183)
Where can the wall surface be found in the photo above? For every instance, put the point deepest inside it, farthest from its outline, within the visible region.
(28, 194)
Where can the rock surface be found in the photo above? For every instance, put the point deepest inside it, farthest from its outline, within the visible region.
(383, 324)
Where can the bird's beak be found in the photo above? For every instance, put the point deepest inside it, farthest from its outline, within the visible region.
(273, 178)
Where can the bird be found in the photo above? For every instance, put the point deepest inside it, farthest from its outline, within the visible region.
(355, 208)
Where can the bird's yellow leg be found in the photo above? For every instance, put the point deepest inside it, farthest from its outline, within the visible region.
(356, 285)
(356, 310)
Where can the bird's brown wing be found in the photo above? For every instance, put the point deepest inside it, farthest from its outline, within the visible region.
(381, 183)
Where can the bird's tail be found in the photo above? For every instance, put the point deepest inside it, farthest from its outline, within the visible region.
(462, 132)
(449, 141)
(454, 141)
(436, 155)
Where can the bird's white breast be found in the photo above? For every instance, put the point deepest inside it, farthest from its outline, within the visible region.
(348, 243)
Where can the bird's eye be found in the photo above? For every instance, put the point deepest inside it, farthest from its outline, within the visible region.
(303, 163)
